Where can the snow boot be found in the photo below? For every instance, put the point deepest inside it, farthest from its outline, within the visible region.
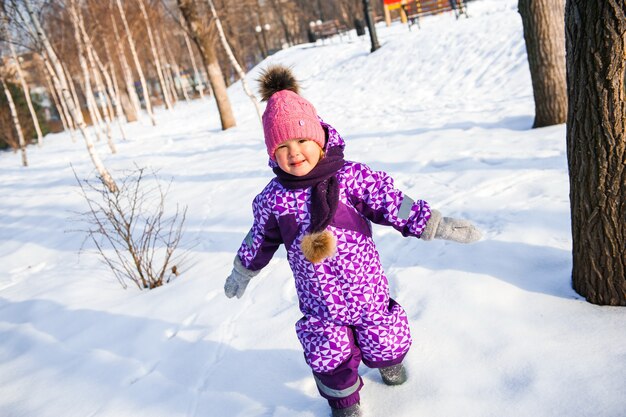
(393, 375)
(352, 411)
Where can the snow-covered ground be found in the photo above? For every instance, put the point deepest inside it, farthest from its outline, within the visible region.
(447, 111)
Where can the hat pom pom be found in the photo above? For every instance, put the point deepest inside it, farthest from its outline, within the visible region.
(318, 246)
(277, 78)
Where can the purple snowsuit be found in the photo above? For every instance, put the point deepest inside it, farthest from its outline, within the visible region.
(348, 315)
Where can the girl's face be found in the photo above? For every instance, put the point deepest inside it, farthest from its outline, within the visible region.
(298, 156)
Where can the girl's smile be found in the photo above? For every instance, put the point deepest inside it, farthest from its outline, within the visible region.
(298, 156)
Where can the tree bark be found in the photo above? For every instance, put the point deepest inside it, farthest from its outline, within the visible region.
(596, 147)
(204, 36)
(16, 121)
(545, 46)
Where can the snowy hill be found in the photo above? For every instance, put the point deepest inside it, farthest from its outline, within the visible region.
(446, 110)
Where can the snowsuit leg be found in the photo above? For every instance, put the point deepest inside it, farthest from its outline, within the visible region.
(384, 338)
(334, 357)
(334, 352)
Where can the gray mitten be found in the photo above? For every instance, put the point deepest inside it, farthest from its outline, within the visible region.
(448, 228)
(238, 279)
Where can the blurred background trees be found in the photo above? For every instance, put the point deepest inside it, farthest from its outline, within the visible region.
(119, 59)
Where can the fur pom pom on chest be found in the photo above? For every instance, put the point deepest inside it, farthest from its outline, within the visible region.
(318, 246)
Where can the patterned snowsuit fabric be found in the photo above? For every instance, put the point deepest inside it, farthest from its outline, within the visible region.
(349, 291)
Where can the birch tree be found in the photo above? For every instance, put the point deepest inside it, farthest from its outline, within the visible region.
(155, 56)
(596, 147)
(57, 104)
(199, 86)
(125, 110)
(204, 35)
(82, 59)
(4, 29)
(167, 64)
(62, 84)
(127, 74)
(138, 68)
(177, 72)
(16, 121)
(56, 88)
(99, 69)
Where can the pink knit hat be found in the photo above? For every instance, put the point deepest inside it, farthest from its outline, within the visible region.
(287, 115)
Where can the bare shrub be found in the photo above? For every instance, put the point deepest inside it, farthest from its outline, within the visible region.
(130, 230)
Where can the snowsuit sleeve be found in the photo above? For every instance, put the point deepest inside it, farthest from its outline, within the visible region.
(264, 237)
(373, 194)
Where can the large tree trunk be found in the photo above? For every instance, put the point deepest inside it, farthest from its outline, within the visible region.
(545, 45)
(16, 121)
(133, 51)
(204, 36)
(62, 84)
(596, 147)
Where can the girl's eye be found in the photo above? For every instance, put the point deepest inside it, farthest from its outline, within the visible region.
(303, 140)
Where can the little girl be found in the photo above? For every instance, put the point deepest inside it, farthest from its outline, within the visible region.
(320, 207)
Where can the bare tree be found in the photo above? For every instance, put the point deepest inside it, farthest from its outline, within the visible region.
(57, 103)
(99, 71)
(62, 84)
(282, 19)
(126, 71)
(233, 61)
(55, 88)
(543, 22)
(131, 231)
(166, 66)
(16, 120)
(4, 29)
(91, 101)
(179, 75)
(204, 35)
(197, 78)
(155, 56)
(596, 147)
(138, 68)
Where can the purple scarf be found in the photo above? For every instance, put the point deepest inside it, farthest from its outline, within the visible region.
(325, 187)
